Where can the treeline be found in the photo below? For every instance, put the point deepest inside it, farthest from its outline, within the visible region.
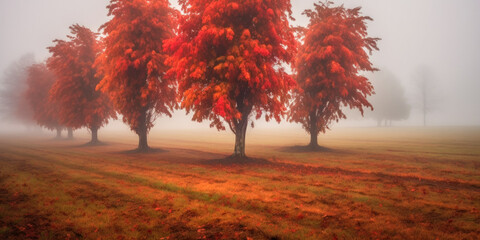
(222, 60)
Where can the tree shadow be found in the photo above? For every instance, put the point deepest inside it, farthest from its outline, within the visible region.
(234, 160)
(172, 155)
(306, 149)
(144, 151)
(61, 139)
(93, 144)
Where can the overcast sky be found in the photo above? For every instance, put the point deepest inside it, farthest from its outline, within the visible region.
(443, 35)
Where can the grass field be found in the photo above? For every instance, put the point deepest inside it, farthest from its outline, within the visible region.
(390, 183)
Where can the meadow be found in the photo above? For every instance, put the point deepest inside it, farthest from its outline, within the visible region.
(368, 183)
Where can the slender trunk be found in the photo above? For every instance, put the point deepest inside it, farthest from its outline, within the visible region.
(424, 118)
(94, 131)
(424, 91)
(240, 133)
(313, 131)
(142, 133)
(59, 132)
(70, 133)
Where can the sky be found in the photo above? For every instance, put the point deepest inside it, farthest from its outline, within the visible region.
(441, 35)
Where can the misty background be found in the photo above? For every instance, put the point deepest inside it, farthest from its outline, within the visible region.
(438, 37)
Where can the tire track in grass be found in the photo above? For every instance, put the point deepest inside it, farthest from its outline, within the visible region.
(135, 179)
(89, 190)
(253, 206)
(199, 195)
(145, 181)
(303, 169)
(30, 221)
(126, 177)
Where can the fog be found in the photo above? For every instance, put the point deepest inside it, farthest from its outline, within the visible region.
(443, 36)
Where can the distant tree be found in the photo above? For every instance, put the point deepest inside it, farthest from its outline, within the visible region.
(45, 112)
(14, 107)
(228, 59)
(133, 62)
(328, 65)
(425, 91)
(389, 101)
(80, 105)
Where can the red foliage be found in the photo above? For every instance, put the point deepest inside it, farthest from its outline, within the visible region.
(74, 91)
(328, 66)
(228, 58)
(133, 61)
(40, 81)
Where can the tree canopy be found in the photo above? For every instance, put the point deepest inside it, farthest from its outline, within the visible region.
(45, 111)
(133, 62)
(328, 67)
(72, 62)
(228, 58)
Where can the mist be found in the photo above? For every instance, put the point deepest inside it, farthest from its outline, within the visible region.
(409, 169)
(440, 35)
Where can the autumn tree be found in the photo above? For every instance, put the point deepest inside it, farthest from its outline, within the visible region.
(328, 67)
(45, 112)
(228, 58)
(72, 61)
(133, 62)
(13, 104)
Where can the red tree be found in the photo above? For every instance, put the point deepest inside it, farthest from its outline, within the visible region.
(45, 112)
(80, 105)
(133, 62)
(328, 65)
(228, 59)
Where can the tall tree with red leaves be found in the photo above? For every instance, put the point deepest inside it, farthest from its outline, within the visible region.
(45, 112)
(329, 65)
(228, 60)
(72, 61)
(133, 62)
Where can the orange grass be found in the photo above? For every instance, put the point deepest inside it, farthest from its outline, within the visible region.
(370, 184)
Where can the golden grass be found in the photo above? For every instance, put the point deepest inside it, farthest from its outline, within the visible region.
(396, 183)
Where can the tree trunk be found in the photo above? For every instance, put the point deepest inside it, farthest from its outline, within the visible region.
(313, 131)
(70, 133)
(142, 134)
(59, 133)
(424, 118)
(142, 141)
(424, 91)
(240, 133)
(94, 135)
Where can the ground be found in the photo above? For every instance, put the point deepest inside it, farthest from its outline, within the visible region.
(367, 183)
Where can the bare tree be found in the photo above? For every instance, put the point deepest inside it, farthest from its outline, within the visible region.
(426, 91)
